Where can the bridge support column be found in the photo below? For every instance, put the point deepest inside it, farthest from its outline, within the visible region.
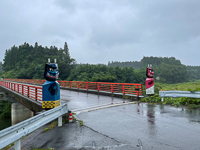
(18, 145)
(19, 113)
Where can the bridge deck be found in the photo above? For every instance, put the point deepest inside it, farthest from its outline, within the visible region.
(80, 100)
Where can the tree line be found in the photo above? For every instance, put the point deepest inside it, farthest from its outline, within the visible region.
(27, 61)
(103, 73)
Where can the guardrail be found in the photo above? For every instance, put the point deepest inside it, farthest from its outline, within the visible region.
(163, 94)
(123, 88)
(17, 131)
(31, 91)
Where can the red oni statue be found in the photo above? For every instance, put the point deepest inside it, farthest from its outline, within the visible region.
(149, 81)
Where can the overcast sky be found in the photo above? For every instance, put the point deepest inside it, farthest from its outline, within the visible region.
(98, 31)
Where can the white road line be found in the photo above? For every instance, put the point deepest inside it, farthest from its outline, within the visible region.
(101, 107)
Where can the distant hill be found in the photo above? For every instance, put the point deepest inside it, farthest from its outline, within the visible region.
(155, 61)
(193, 71)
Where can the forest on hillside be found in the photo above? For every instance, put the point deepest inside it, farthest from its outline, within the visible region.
(27, 62)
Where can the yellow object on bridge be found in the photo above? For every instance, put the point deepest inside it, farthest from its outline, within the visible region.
(50, 104)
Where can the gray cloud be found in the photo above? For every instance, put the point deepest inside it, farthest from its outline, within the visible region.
(102, 31)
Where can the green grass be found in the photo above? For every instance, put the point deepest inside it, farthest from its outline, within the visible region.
(179, 86)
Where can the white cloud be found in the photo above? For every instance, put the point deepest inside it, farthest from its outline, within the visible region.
(102, 31)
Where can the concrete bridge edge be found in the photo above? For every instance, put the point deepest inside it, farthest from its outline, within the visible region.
(31, 104)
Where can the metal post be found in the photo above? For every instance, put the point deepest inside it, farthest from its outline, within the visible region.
(60, 121)
(22, 89)
(36, 94)
(162, 99)
(77, 85)
(28, 91)
(123, 90)
(18, 145)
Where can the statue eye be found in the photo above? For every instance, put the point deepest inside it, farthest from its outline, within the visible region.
(51, 69)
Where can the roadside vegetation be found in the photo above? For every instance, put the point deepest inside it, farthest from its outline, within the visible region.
(186, 86)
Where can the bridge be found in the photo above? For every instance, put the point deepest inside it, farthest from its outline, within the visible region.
(29, 93)
(31, 90)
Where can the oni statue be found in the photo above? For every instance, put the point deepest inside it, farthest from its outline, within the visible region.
(51, 88)
(149, 81)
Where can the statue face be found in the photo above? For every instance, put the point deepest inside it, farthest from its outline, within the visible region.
(149, 72)
(51, 71)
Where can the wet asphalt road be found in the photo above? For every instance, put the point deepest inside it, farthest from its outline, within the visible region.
(158, 127)
(79, 100)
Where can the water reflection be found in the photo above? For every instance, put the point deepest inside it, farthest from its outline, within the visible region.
(151, 121)
(193, 115)
(139, 109)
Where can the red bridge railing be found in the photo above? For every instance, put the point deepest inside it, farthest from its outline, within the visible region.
(123, 88)
(30, 91)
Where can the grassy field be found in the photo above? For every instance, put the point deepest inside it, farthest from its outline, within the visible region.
(186, 86)
(179, 86)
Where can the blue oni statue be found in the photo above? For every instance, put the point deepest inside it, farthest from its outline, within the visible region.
(51, 88)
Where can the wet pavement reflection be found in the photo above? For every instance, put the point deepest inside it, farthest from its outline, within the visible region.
(158, 127)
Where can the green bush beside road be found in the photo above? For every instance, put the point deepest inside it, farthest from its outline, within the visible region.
(187, 86)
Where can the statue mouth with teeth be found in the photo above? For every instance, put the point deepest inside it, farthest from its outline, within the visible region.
(51, 71)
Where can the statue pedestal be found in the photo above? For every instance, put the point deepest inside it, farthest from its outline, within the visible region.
(50, 94)
(149, 86)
